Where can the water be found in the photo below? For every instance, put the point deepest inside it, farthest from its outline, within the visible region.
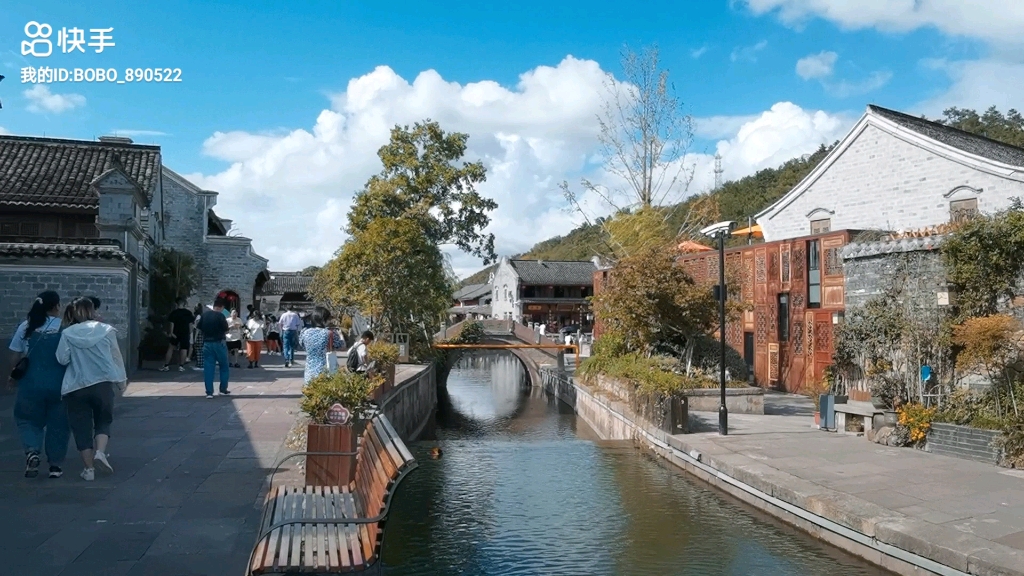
(524, 488)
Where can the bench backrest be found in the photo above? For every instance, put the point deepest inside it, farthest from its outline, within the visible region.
(381, 462)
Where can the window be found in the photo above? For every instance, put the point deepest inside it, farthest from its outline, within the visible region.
(962, 210)
(783, 317)
(560, 292)
(529, 292)
(821, 226)
(813, 275)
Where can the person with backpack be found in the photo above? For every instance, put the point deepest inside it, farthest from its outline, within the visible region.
(214, 326)
(39, 412)
(358, 357)
(90, 350)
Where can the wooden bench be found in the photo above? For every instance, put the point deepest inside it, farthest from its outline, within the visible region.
(333, 529)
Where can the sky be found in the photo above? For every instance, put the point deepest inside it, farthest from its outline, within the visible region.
(281, 107)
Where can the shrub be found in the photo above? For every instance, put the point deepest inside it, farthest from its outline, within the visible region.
(917, 419)
(353, 391)
(647, 375)
(1012, 443)
(888, 387)
(610, 344)
(385, 354)
(472, 333)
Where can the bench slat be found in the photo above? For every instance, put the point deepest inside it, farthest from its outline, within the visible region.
(296, 531)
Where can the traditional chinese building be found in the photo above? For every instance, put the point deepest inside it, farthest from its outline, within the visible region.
(544, 292)
(794, 291)
(472, 302)
(284, 290)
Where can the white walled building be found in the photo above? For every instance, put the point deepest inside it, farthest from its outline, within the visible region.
(898, 172)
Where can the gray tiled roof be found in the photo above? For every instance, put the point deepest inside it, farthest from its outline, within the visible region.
(42, 250)
(57, 173)
(286, 282)
(970, 143)
(868, 249)
(471, 291)
(558, 273)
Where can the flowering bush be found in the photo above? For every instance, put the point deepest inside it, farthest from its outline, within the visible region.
(917, 419)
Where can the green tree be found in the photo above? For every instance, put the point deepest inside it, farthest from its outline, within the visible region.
(393, 273)
(173, 275)
(309, 271)
(992, 124)
(650, 300)
(422, 182)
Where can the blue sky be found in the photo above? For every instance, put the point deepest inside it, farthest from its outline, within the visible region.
(273, 80)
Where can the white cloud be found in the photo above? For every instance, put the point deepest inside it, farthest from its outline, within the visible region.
(698, 52)
(718, 127)
(977, 84)
(990, 20)
(747, 53)
(4, 130)
(291, 191)
(847, 88)
(41, 100)
(816, 65)
(120, 132)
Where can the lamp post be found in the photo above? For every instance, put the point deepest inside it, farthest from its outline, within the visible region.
(720, 231)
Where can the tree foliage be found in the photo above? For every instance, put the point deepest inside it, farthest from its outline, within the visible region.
(421, 181)
(392, 273)
(173, 275)
(650, 300)
(991, 344)
(984, 257)
(991, 124)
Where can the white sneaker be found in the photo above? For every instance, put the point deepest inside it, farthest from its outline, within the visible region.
(88, 474)
(103, 463)
(181, 368)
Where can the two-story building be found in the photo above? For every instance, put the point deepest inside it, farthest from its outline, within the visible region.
(472, 302)
(83, 217)
(553, 293)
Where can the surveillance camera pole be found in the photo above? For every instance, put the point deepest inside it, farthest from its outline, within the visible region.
(723, 412)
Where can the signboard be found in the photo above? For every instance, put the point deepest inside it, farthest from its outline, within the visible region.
(534, 307)
(566, 307)
(402, 341)
(338, 414)
(270, 304)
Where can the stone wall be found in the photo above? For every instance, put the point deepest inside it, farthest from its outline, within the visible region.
(20, 282)
(881, 182)
(230, 264)
(869, 270)
(964, 442)
(749, 400)
(410, 406)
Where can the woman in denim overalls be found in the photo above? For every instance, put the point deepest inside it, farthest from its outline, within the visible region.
(38, 410)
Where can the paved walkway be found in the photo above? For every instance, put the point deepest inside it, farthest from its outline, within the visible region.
(958, 504)
(184, 498)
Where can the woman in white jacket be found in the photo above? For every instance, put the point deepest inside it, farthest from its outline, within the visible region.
(95, 366)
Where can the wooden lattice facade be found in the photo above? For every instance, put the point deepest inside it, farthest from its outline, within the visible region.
(793, 288)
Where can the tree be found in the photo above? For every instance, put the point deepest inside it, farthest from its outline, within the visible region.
(421, 182)
(992, 124)
(990, 343)
(644, 136)
(309, 271)
(173, 275)
(649, 300)
(393, 274)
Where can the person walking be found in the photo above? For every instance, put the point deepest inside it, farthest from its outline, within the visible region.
(234, 337)
(318, 340)
(39, 412)
(214, 326)
(197, 338)
(179, 323)
(90, 350)
(290, 326)
(254, 338)
(273, 333)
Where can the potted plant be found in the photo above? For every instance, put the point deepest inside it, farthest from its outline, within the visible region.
(383, 357)
(324, 433)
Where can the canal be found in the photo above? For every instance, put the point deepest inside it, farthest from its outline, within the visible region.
(524, 488)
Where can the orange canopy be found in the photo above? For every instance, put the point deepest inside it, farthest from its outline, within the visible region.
(754, 231)
(688, 246)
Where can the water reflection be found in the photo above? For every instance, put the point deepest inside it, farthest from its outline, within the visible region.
(523, 489)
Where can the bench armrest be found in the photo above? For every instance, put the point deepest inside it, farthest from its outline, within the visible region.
(277, 466)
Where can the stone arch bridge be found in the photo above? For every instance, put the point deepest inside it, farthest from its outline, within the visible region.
(523, 342)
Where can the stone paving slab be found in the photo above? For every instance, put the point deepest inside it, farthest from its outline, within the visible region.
(184, 498)
(969, 515)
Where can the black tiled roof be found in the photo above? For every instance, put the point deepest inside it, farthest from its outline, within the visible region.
(285, 282)
(472, 291)
(50, 172)
(41, 250)
(558, 273)
(971, 143)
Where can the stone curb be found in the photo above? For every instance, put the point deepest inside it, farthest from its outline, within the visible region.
(965, 553)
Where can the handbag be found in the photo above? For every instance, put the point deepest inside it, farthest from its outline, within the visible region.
(332, 358)
(19, 370)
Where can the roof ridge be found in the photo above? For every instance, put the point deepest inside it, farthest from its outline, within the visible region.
(73, 141)
(937, 124)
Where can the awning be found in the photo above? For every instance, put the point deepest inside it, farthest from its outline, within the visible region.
(754, 231)
(688, 246)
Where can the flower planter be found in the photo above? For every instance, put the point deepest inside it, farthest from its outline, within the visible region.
(965, 442)
(330, 470)
(817, 419)
(891, 418)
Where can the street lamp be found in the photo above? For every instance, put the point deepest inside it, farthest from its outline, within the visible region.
(721, 231)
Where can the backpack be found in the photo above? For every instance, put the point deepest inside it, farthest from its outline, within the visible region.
(352, 363)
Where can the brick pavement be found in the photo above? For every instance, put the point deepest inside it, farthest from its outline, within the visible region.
(184, 498)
